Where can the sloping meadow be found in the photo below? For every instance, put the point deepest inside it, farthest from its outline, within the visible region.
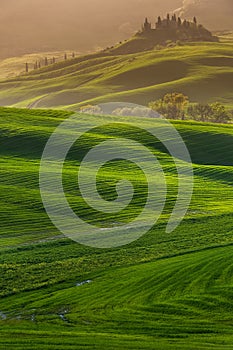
(164, 290)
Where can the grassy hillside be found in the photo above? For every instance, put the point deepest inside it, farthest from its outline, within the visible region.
(203, 71)
(163, 291)
(15, 66)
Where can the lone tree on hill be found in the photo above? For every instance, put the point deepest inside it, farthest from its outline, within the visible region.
(171, 106)
(159, 21)
(220, 113)
(26, 67)
(195, 20)
(147, 25)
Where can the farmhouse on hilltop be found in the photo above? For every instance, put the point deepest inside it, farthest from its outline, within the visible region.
(174, 27)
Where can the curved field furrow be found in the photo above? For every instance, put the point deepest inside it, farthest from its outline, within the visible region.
(163, 291)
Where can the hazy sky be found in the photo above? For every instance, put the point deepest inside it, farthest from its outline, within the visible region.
(215, 14)
(31, 25)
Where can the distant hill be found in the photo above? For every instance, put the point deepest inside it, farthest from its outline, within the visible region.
(170, 29)
(201, 70)
(14, 66)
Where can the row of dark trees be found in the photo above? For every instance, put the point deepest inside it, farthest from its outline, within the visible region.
(177, 106)
(174, 19)
(215, 112)
(170, 21)
(45, 62)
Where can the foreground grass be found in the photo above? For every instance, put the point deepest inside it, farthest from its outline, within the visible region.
(163, 291)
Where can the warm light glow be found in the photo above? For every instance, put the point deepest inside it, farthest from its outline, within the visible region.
(28, 26)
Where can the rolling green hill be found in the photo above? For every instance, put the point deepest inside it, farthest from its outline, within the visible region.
(163, 291)
(203, 71)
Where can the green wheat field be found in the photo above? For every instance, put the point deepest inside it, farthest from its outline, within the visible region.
(163, 291)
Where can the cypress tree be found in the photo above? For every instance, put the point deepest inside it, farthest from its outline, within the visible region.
(159, 21)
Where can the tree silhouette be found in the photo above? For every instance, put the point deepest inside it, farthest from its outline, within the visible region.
(172, 105)
(202, 112)
(147, 25)
(220, 114)
(26, 67)
(195, 20)
(174, 18)
(159, 21)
